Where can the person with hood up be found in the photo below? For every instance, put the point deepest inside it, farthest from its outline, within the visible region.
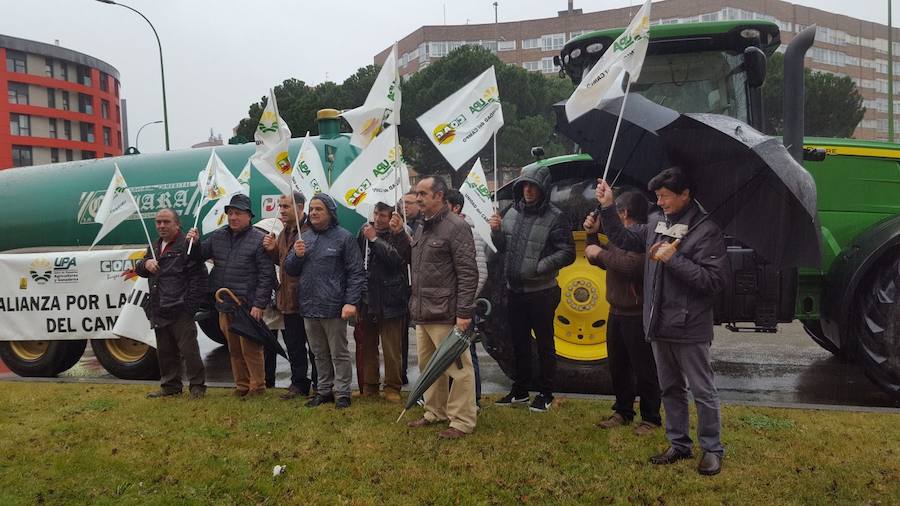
(537, 240)
(327, 260)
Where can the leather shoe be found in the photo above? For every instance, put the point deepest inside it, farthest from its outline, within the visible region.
(163, 393)
(342, 403)
(319, 399)
(392, 396)
(710, 464)
(451, 433)
(670, 456)
(616, 420)
(421, 422)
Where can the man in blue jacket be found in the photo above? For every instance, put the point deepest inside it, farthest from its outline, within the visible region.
(680, 284)
(330, 267)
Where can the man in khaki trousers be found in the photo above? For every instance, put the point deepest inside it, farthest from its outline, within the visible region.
(444, 279)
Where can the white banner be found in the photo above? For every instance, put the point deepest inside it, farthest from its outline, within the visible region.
(70, 295)
(372, 177)
(604, 80)
(464, 122)
(216, 217)
(272, 140)
(478, 206)
(309, 175)
(382, 105)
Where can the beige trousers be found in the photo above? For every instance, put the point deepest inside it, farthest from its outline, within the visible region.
(442, 402)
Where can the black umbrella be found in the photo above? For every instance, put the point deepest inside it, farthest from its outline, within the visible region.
(245, 325)
(745, 180)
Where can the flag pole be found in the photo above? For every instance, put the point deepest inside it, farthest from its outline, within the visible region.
(495, 172)
(141, 218)
(618, 124)
(196, 220)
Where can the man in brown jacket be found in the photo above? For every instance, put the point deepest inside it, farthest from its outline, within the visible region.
(631, 366)
(444, 278)
(294, 332)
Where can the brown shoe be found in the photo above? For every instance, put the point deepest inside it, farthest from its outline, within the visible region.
(645, 428)
(616, 420)
(292, 393)
(670, 456)
(451, 433)
(238, 393)
(254, 393)
(710, 464)
(163, 393)
(392, 396)
(198, 392)
(421, 422)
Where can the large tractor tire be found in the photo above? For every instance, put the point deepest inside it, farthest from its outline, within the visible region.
(579, 326)
(41, 359)
(126, 358)
(878, 315)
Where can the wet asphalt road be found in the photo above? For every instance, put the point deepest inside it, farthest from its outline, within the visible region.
(786, 367)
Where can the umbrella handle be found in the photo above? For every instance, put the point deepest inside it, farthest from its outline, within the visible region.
(220, 295)
(674, 243)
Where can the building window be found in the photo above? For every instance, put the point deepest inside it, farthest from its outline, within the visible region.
(67, 129)
(21, 156)
(531, 43)
(85, 103)
(48, 70)
(104, 81)
(576, 33)
(506, 45)
(19, 124)
(54, 155)
(119, 139)
(104, 109)
(88, 155)
(553, 42)
(51, 98)
(532, 65)
(18, 93)
(52, 131)
(118, 114)
(84, 75)
(547, 65)
(107, 136)
(15, 62)
(65, 100)
(64, 71)
(87, 132)
(437, 49)
(69, 155)
(116, 87)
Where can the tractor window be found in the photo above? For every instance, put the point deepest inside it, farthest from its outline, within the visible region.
(706, 82)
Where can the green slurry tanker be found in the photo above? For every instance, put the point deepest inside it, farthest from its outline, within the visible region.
(55, 296)
(849, 304)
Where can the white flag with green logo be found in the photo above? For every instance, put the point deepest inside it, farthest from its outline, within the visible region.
(212, 181)
(382, 105)
(230, 186)
(606, 78)
(309, 174)
(464, 122)
(479, 205)
(272, 139)
(117, 205)
(372, 177)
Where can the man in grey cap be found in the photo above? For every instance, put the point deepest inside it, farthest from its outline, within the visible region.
(330, 267)
(242, 265)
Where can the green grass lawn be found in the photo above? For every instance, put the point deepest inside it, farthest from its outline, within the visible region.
(107, 444)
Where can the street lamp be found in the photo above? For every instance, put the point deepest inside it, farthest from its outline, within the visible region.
(137, 139)
(162, 71)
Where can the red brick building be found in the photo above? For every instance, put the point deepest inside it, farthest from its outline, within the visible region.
(844, 45)
(61, 105)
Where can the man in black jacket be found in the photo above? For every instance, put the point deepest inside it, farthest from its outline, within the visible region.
(383, 310)
(242, 265)
(681, 281)
(537, 240)
(176, 286)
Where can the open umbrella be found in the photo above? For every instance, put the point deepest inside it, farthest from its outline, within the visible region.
(245, 325)
(446, 354)
(747, 182)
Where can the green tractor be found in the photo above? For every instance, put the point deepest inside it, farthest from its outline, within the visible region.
(849, 304)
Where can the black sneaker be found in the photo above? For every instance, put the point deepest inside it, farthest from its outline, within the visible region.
(511, 399)
(342, 403)
(319, 400)
(541, 403)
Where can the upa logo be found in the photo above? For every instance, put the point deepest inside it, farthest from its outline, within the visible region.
(41, 271)
(444, 133)
(626, 40)
(65, 270)
(475, 182)
(303, 167)
(489, 97)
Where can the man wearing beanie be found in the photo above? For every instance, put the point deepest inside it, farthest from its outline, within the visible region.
(330, 267)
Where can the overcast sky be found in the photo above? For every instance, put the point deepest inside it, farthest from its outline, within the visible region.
(221, 55)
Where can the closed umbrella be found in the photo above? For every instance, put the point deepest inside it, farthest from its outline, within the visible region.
(245, 325)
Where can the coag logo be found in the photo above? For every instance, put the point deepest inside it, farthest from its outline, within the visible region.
(444, 133)
(122, 267)
(41, 271)
(356, 196)
(282, 163)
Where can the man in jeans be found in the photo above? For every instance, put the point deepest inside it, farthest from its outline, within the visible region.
(242, 265)
(631, 366)
(327, 260)
(680, 284)
(177, 284)
(537, 240)
(286, 296)
(444, 278)
(383, 314)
